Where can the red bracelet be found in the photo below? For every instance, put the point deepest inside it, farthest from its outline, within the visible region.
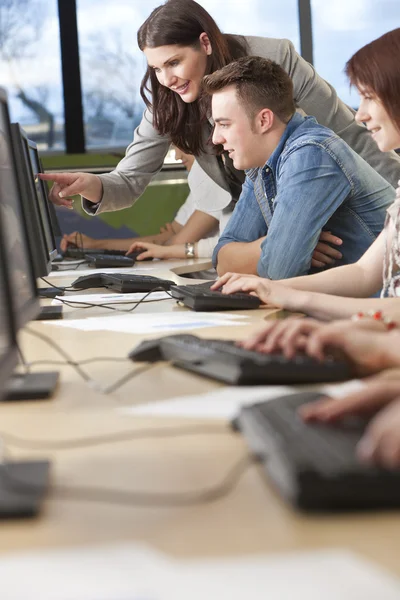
(375, 316)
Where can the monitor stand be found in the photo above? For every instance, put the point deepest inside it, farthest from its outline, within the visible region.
(50, 292)
(31, 386)
(23, 485)
(48, 313)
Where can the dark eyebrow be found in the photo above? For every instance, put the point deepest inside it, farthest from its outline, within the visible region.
(167, 61)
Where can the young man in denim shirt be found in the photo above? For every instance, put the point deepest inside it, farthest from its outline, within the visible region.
(300, 177)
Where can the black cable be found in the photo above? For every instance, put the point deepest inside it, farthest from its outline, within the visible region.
(140, 498)
(64, 354)
(57, 287)
(86, 361)
(120, 382)
(114, 438)
(109, 305)
(24, 362)
(76, 365)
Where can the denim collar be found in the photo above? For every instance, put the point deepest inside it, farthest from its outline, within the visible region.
(291, 127)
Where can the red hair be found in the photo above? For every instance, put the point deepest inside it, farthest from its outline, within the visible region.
(376, 68)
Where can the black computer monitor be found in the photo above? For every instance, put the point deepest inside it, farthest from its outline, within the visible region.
(8, 346)
(30, 203)
(53, 215)
(41, 190)
(18, 257)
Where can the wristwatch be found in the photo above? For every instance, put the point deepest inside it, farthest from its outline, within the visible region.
(189, 250)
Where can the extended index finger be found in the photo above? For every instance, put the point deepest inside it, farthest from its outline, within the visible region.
(64, 178)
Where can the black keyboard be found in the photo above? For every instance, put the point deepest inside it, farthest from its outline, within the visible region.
(123, 283)
(80, 252)
(315, 466)
(128, 283)
(224, 361)
(200, 297)
(103, 261)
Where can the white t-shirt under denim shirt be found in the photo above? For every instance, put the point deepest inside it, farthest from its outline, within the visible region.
(210, 198)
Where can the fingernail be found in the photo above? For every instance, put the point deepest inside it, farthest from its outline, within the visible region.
(61, 194)
(365, 449)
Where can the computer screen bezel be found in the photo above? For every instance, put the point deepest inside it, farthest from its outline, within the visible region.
(52, 253)
(32, 307)
(10, 358)
(30, 203)
(53, 214)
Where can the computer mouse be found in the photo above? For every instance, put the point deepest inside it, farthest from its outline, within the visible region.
(136, 253)
(147, 351)
(88, 281)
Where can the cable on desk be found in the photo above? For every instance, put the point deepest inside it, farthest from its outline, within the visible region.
(116, 437)
(109, 306)
(140, 497)
(24, 363)
(58, 287)
(76, 365)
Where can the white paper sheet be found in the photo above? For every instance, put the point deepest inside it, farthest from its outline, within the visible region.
(318, 575)
(219, 404)
(225, 403)
(80, 272)
(152, 323)
(130, 572)
(110, 298)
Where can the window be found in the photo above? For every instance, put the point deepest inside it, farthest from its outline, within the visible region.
(340, 28)
(112, 65)
(31, 70)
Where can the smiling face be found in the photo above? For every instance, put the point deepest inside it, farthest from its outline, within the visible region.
(374, 115)
(180, 68)
(236, 132)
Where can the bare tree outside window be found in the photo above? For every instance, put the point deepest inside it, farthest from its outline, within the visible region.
(21, 28)
(111, 99)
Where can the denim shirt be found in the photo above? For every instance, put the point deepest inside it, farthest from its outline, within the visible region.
(313, 181)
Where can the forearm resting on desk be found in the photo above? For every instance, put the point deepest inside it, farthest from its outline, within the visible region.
(241, 257)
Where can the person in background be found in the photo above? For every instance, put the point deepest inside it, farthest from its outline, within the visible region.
(182, 43)
(190, 224)
(196, 228)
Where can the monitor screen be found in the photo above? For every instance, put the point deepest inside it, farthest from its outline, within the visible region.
(30, 203)
(19, 265)
(43, 200)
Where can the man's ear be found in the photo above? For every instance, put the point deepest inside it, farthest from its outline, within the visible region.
(205, 43)
(265, 120)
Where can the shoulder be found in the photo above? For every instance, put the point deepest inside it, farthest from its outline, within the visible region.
(271, 48)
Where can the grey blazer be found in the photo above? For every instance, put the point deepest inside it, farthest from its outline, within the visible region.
(145, 155)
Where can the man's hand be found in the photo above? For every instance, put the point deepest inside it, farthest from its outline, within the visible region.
(67, 185)
(324, 254)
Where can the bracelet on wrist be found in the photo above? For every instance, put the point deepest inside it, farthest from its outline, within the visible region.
(189, 250)
(375, 316)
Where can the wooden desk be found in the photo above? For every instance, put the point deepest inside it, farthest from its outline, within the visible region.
(251, 519)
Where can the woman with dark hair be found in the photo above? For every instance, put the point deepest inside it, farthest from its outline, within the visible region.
(182, 43)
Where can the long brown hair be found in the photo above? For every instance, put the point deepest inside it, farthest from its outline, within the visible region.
(376, 68)
(181, 22)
